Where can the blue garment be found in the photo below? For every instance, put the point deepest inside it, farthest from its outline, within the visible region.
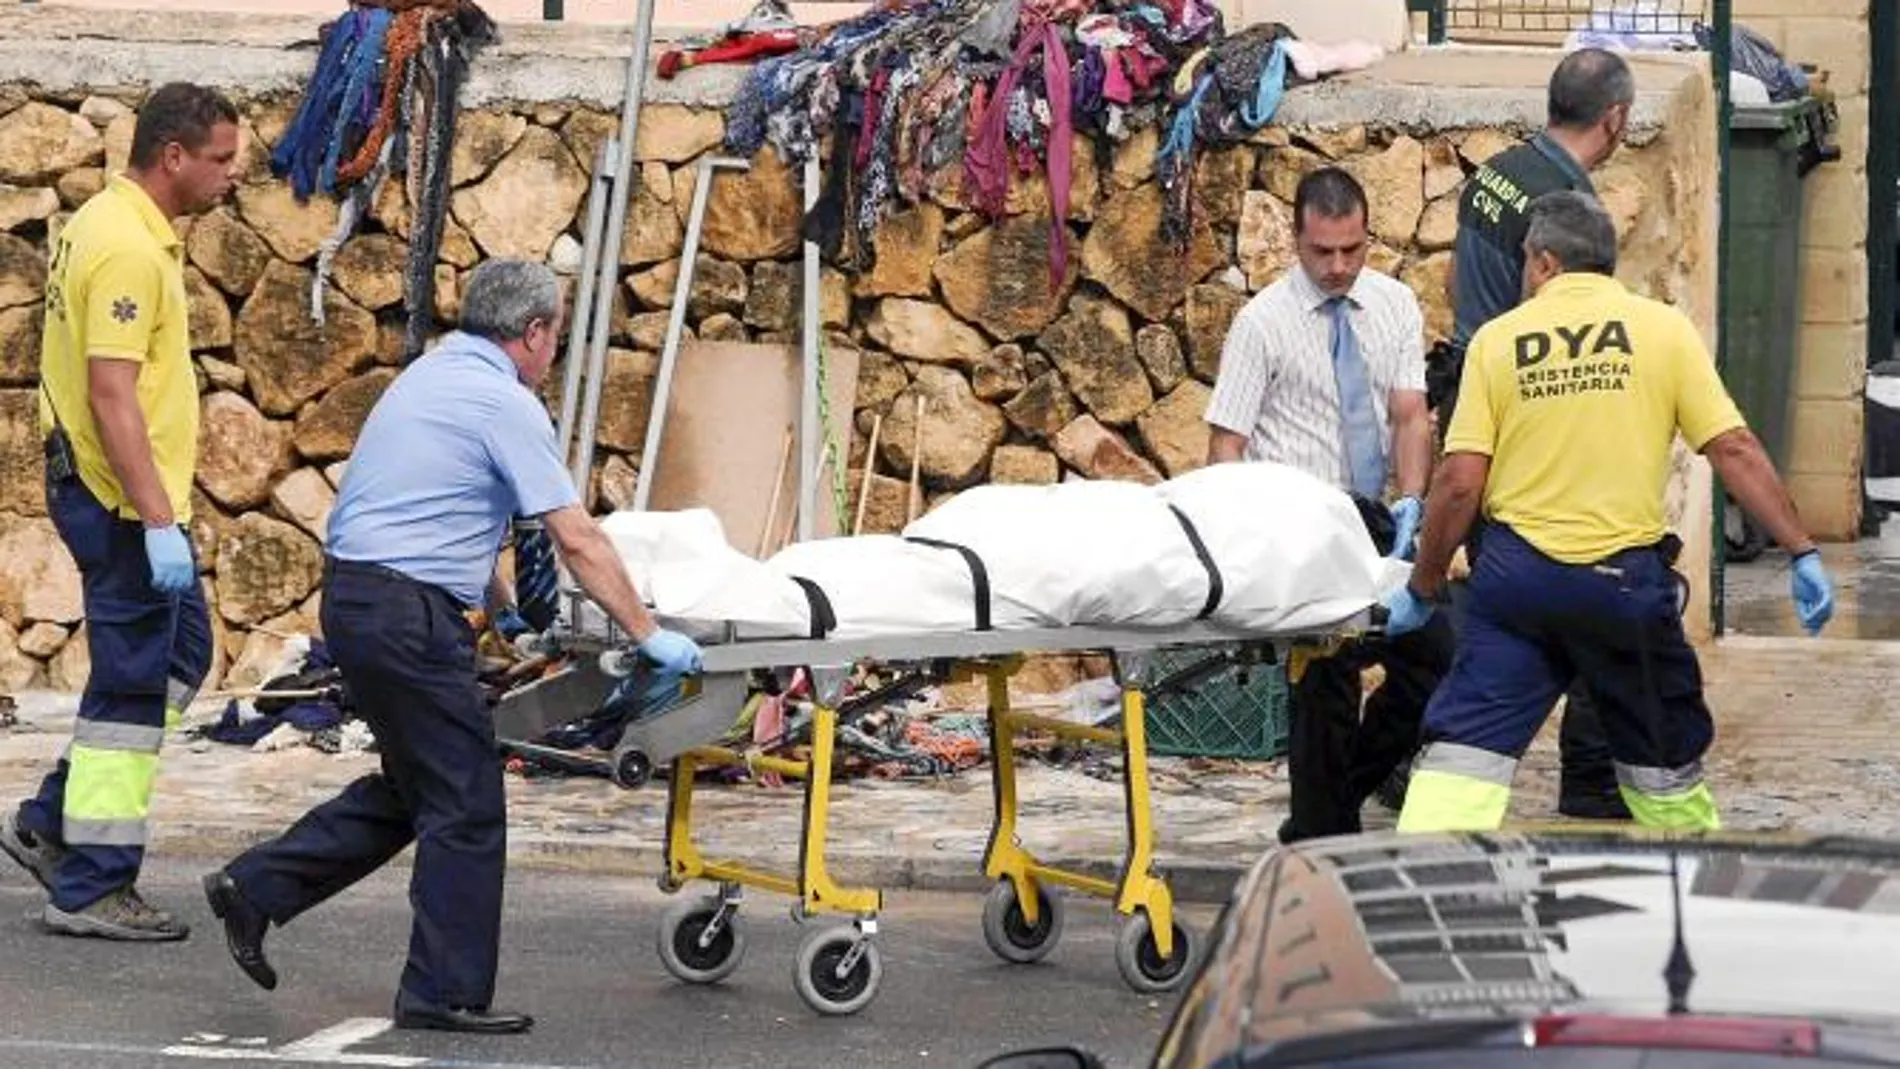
(149, 651)
(1530, 625)
(455, 448)
(1359, 426)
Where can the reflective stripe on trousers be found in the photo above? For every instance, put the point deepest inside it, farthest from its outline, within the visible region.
(1675, 799)
(1457, 788)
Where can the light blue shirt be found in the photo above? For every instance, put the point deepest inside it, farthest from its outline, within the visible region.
(455, 448)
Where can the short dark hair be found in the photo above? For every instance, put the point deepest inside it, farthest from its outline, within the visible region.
(1587, 83)
(1574, 227)
(1332, 193)
(181, 112)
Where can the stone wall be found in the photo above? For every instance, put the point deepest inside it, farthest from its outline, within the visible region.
(1103, 374)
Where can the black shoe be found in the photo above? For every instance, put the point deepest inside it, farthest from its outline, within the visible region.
(1596, 805)
(486, 1022)
(244, 928)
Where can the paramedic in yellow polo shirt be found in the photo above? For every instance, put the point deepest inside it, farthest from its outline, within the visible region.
(119, 413)
(1565, 419)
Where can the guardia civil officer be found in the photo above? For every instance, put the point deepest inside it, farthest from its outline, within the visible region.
(1566, 416)
(1590, 95)
(457, 447)
(119, 412)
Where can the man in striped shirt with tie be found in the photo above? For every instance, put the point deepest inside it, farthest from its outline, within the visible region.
(1324, 370)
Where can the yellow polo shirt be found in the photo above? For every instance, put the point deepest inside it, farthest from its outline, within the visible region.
(116, 290)
(1576, 396)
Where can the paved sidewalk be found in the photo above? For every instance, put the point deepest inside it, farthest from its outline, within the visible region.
(1806, 739)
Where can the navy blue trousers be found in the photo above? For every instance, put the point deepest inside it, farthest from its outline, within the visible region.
(407, 657)
(150, 652)
(1531, 625)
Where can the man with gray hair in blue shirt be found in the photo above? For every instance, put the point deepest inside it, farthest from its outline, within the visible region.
(456, 448)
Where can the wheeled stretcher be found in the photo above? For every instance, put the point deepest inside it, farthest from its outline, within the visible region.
(838, 969)
(831, 617)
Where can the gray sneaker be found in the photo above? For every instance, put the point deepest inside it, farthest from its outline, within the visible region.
(122, 915)
(34, 854)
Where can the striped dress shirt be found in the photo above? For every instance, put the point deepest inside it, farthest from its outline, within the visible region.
(1276, 383)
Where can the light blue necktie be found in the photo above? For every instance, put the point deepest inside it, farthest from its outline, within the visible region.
(1365, 438)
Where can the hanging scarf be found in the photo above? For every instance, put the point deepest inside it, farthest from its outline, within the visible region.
(986, 163)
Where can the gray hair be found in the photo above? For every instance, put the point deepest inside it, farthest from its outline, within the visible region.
(1573, 227)
(1587, 83)
(504, 296)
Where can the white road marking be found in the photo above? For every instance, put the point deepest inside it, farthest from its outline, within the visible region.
(336, 1038)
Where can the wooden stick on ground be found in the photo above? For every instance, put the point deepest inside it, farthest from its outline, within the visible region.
(914, 504)
(770, 531)
(870, 465)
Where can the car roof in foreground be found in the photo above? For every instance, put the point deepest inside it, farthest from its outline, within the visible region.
(1380, 930)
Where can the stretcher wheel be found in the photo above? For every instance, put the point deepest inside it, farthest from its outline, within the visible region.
(632, 769)
(1140, 960)
(684, 948)
(1010, 935)
(817, 979)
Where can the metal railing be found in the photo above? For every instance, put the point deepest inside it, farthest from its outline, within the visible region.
(1549, 22)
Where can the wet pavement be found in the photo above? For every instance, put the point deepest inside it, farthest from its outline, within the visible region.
(1867, 590)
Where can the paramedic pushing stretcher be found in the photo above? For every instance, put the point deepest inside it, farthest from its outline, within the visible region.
(457, 446)
(1324, 371)
(1568, 409)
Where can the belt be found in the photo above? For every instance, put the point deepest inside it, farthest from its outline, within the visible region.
(473, 616)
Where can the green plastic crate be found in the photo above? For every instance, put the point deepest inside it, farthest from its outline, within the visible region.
(1216, 714)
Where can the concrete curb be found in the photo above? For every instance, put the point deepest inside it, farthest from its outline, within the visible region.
(1192, 881)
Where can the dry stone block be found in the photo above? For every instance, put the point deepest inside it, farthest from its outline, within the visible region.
(328, 429)
(1126, 253)
(1158, 348)
(265, 567)
(1430, 278)
(42, 639)
(1443, 172)
(880, 379)
(1094, 346)
(959, 430)
(1265, 245)
(17, 668)
(906, 249)
(239, 451)
(38, 580)
(718, 286)
(616, 482)
(1483, 143)
(1043, 408)
(1438, 227)
(674, 133)
(305, 499)
(923, 331)
(999, 279)
(290, 359)
(1210, 312)
(20, 345)
(79, 186)
(22, 272)
(1175, 432)
(629, 381)
(72, 665)
(1001, 375)
(772, 301)
(228, 252)
(481, 139)
(1221, 177)
(221, 374)
(1395, 186)
(721, 326)
(887, 507)
(1024, 465)
(294, 231)
(210, 316)
(1283, 168)
(21, 205)
(43, 142)
(102, 110)
(653, 230)
(750, 215)
(1099, 453)
(526, 201)
(1333, 142)
(369, 268)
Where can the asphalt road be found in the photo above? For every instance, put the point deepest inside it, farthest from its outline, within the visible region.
(578, 953)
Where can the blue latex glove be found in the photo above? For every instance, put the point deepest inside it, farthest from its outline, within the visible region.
(170, 556)
(509, 624)
(672, 652)
(1405, 612)
(1813, 592)
(1407, 514)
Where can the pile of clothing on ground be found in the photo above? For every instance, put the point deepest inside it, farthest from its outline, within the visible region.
(911, 88)
(302, 702)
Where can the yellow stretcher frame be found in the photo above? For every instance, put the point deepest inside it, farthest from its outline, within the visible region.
(838, 969)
